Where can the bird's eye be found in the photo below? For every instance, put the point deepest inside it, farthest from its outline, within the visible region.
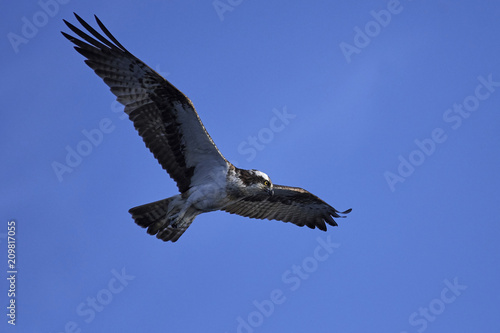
(266, 183)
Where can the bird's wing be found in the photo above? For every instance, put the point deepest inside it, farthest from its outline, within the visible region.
(164, 117)
(288, 204)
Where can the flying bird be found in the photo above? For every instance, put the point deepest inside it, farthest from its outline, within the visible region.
(172, 130)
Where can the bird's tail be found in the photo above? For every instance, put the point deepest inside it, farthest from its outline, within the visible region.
(162, 218)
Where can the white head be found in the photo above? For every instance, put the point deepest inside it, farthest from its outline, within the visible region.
(262, 181)
(261, 174)
(256, 182)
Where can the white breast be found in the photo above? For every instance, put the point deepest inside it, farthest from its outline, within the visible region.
(210, 193)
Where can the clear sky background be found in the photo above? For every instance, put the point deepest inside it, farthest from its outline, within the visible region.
(394, 111)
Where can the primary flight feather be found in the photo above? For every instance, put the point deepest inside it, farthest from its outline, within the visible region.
(172, 130)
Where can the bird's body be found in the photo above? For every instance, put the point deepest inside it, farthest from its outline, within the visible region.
(172, 130)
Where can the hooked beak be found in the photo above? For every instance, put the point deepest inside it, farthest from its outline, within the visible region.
(270, 191)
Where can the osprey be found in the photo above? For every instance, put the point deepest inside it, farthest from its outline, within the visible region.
(172, 130)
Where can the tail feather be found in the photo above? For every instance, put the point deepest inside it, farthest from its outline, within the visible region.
(159, 221)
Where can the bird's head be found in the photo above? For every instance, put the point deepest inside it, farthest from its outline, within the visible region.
(256, 182)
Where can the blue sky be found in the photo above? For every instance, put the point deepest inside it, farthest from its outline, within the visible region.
(393, 111)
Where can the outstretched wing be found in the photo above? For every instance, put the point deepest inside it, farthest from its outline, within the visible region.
(288, 204)
(164, 117)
